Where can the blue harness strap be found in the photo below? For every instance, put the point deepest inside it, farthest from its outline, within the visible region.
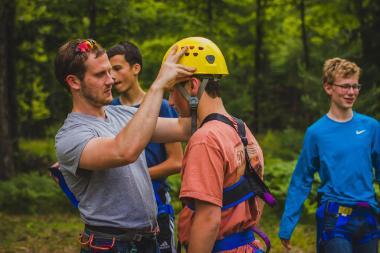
(237, 193)
(247, 187)
(234, 240)
(256, 184)
(57, 174)
(239, 239)
(234, 194)
(160, 188)
(344, 214)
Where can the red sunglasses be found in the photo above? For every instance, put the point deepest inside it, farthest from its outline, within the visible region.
(85, 46)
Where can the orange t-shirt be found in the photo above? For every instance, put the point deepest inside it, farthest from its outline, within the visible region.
(215, 159)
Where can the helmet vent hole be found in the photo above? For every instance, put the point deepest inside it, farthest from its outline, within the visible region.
(187, 54)
(195, 54)
(210, 59)
(200, 48)
(191, 47)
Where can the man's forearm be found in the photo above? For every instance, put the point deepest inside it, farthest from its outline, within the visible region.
(172, 130)
(135, 136)
(109, 152)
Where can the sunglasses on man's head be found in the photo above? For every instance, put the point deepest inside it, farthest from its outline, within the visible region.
(85, 46)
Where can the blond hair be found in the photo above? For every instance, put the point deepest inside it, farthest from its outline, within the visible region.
(337, 67)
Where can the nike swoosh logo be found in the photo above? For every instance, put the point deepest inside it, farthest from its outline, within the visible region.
(360, 132)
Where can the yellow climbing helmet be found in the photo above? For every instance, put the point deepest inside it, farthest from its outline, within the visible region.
(202, 54)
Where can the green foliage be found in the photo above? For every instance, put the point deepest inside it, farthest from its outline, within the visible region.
(39, 147)
(36, 106)
(285, 145)
(36, 154)
(289, 94)
(369, 101)
(58, 233)
(175, 185)
(32, 193)
(277, 175)
(303, 238)
(40, 233)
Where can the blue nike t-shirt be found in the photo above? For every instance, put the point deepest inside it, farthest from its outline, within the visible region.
(344, 155)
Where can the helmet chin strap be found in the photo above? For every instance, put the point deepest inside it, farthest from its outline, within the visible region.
(193, 102)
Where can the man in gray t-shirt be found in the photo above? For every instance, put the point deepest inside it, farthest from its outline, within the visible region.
(134, 208)
(100, 148)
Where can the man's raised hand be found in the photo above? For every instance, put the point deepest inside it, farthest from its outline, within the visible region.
(171, 72)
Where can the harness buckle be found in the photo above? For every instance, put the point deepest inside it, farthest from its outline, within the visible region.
(137, 237)
(344, 211)
(193, 102)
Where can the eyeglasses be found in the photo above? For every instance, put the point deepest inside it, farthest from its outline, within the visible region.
(346, 86)
(86, 46)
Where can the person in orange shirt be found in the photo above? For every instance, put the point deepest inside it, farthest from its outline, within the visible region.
(214, 160)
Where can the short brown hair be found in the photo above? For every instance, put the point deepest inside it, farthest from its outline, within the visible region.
(130, 51)
(212, 88)
(71, 58)
(337, 67)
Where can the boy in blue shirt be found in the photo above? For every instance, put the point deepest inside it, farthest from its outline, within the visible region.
(343, 147)
(163, 159)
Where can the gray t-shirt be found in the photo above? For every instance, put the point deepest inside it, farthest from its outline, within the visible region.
(116, 197)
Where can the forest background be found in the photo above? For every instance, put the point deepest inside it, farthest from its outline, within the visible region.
(274, 50)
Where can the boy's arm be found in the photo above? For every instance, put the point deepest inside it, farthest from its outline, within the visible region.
(299, 189)
(171, 165)
(205, 227)
(376, 153)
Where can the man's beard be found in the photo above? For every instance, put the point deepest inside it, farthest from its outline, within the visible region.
(92, 98)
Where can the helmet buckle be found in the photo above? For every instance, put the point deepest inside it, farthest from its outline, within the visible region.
(193, 102)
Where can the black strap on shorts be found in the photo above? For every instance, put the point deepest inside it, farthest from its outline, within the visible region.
(126, 232)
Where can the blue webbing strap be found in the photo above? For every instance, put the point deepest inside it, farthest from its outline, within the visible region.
(333, 208)
(241, 190)
(236, 193)
(57, 174)
(162, 207)
(234, 240)
(257, 185)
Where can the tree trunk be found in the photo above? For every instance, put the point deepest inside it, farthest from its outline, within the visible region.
(7, 88)
(12, 92)
(92, 17)
(258, 65)
(368, 14)
(304, 35)
(209, 16)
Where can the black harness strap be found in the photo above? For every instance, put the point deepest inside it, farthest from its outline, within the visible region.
(218, 117)
(246, 187)
(240, 191)
(237, 193)
(255, 183)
